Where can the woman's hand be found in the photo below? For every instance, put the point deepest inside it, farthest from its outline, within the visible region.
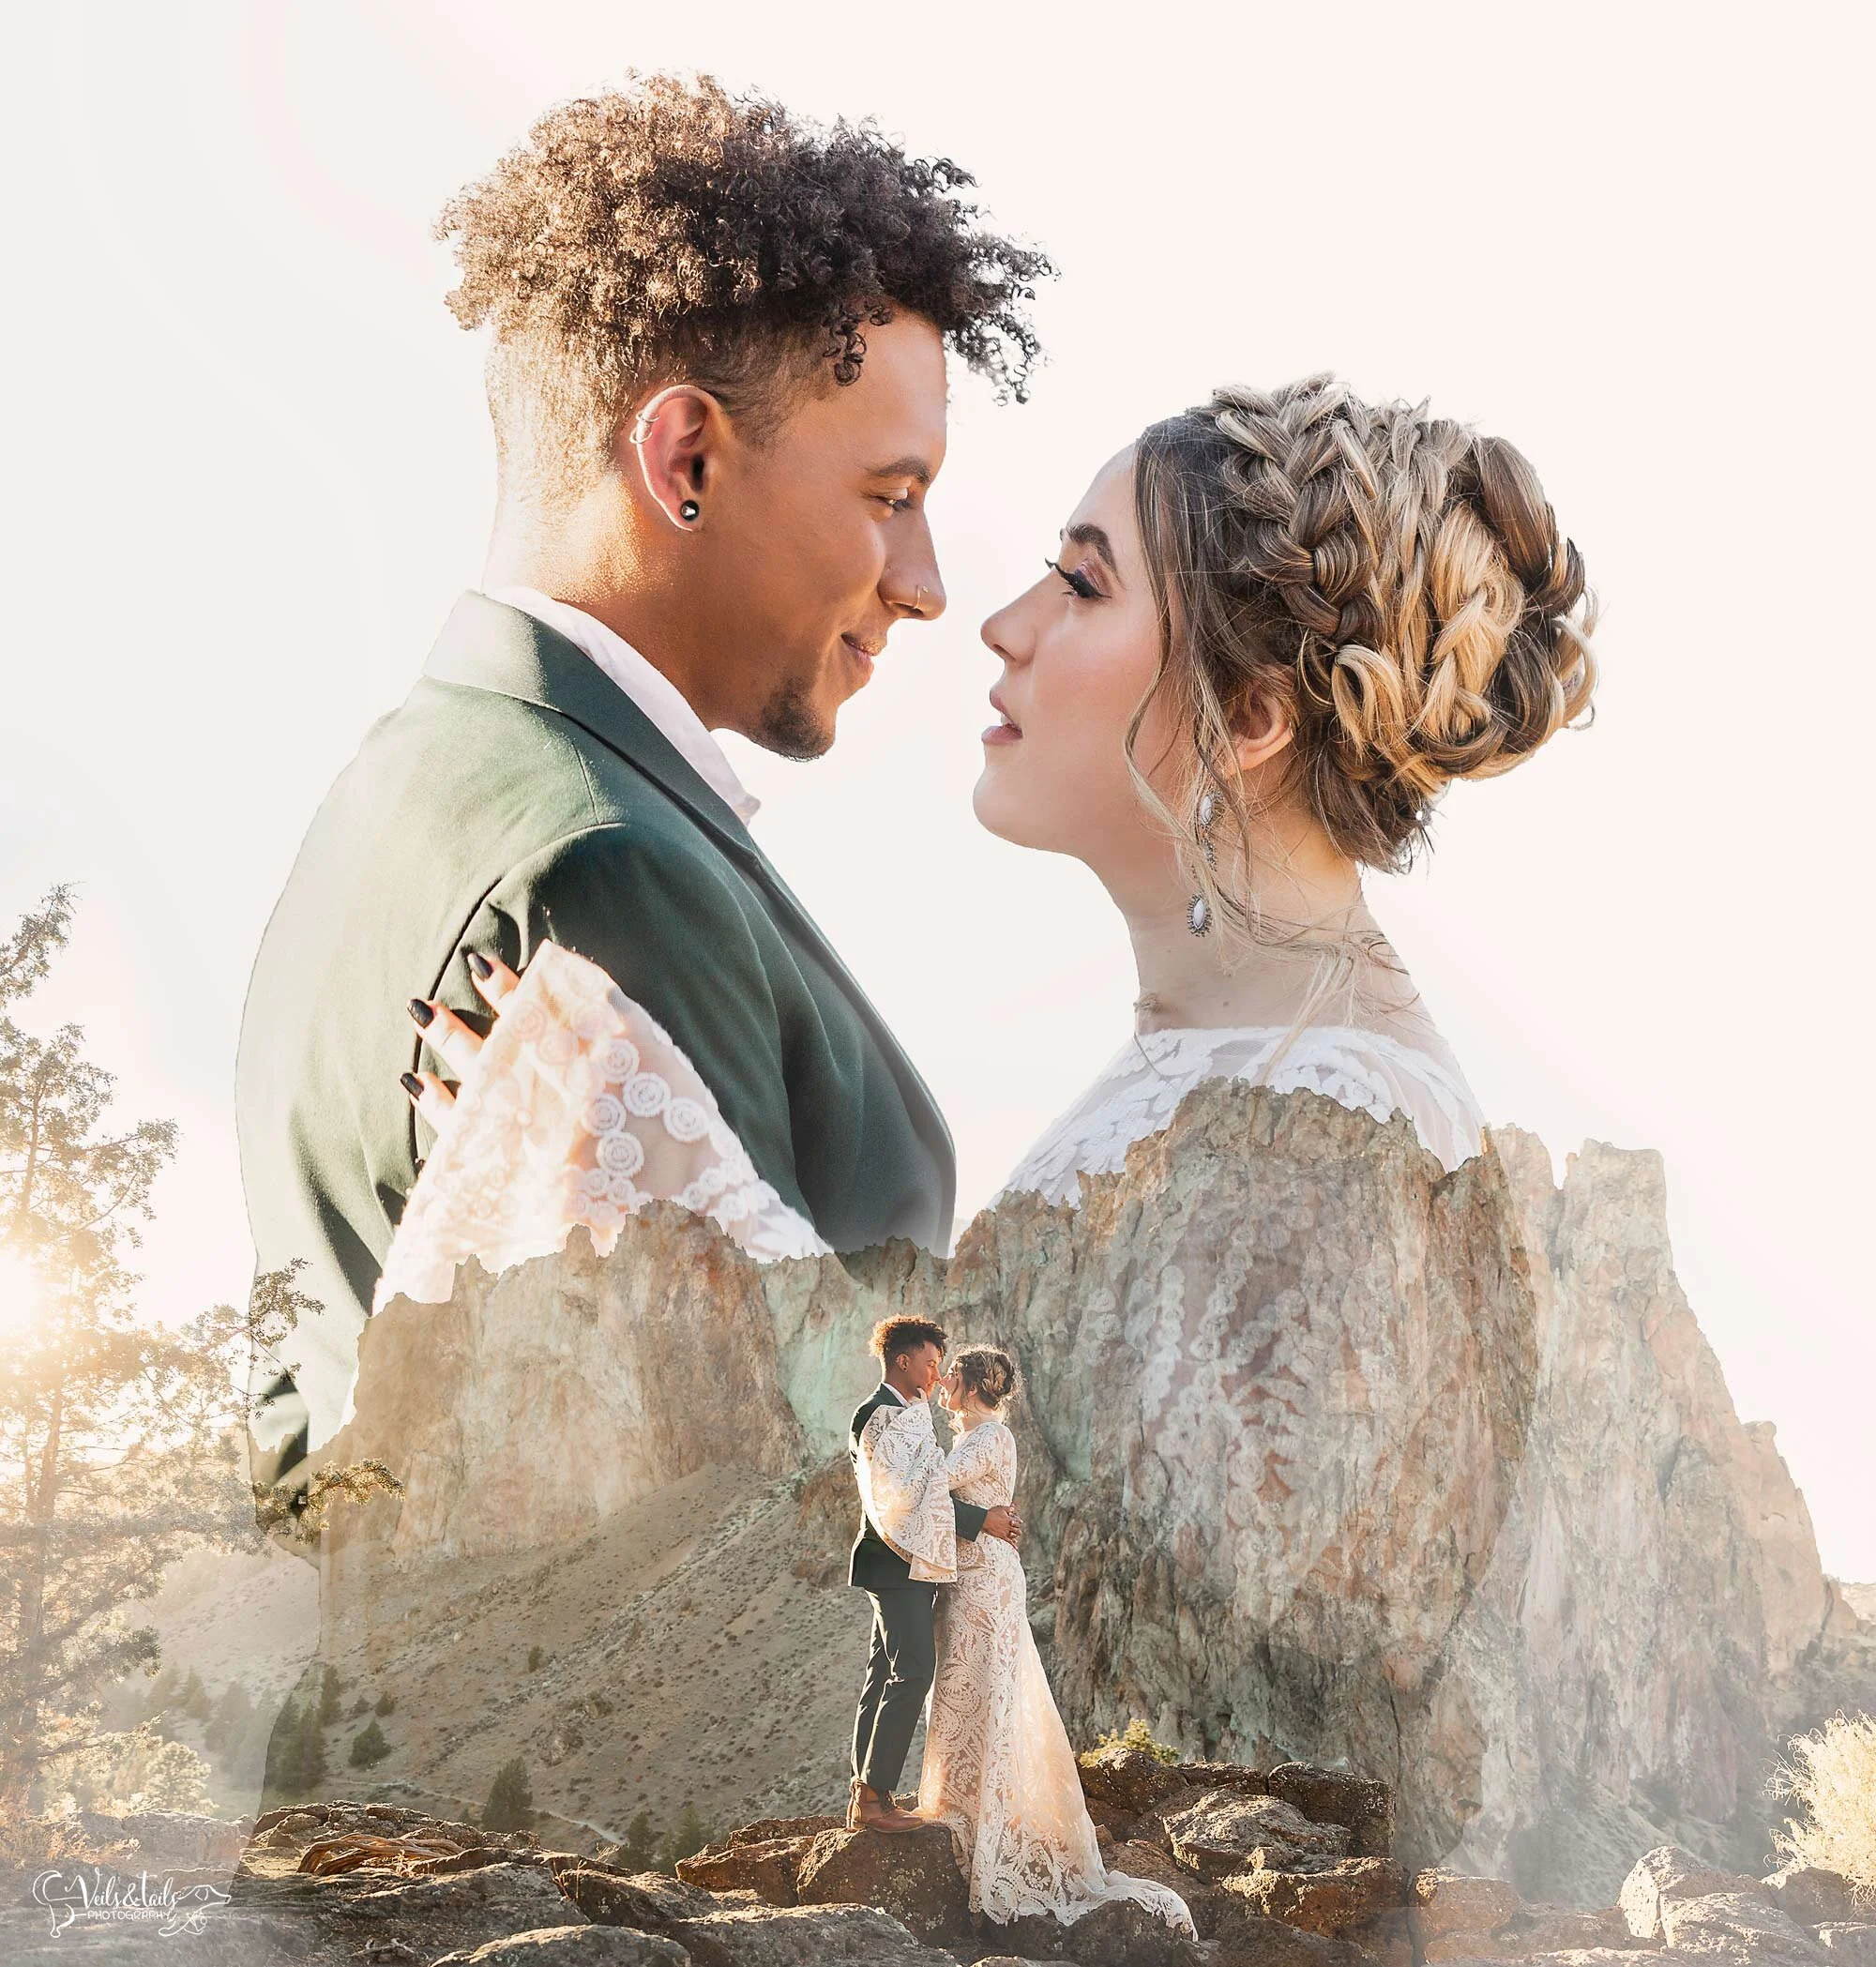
(446, 1034)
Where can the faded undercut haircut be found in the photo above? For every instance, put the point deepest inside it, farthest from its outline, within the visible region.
(669, 231)
(894, 1336)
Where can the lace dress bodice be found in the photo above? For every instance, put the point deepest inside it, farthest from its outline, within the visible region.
(1141, 1085)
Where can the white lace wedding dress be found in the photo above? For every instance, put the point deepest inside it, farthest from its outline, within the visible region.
(1140, 1088)
(581, 1108)
(999, 1773)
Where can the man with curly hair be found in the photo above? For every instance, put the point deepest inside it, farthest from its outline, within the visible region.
(717, 374)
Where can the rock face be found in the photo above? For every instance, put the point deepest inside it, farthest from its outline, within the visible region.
(1327, 1455)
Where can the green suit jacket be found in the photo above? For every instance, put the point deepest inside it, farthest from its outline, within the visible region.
(517, 797)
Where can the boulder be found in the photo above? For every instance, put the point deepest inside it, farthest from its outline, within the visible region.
(1128, 1778)
(1813, 1895)
(573, 1946)
(913, 1875)
(466, 1909)
(1140, 1859)
(1325, 1899)
(1740, 1924)
(1119, 1933)
(1443, 1902)
(764, 1830)
(1554, 1928)
(1668, 1872)
(1246, 1938)
(755, 1935)
(170, 1838)
(1853, 1943)
(769, 1869)
(1365, 1808)
(1225, 1830)
(1230, 1776)
(1385, 1936)
(645, 1899)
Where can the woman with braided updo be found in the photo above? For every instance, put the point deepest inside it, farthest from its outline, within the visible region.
(1279, 626)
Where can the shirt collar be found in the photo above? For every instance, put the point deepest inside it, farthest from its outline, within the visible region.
(887, 1387)
(653, 692)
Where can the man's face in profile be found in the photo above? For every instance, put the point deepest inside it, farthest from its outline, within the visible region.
(820, 543)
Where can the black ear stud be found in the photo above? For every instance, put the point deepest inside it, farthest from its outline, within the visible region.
(689, 511)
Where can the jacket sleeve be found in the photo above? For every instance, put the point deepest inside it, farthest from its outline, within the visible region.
(970, 1519)
(669, 926)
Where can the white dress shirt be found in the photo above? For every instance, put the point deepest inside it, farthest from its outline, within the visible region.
(651, 689)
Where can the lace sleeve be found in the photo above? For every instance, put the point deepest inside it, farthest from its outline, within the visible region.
(579, 1109)
(902, 1476)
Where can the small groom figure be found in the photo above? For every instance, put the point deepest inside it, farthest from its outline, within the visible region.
(903, 1656)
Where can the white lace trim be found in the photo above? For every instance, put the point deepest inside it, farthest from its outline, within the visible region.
(1141, 1085)
(581, 1109)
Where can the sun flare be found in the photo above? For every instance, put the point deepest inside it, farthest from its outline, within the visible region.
(21, 1296)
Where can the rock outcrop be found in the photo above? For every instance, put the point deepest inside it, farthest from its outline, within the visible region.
(326, 1883)
(1328, 1454)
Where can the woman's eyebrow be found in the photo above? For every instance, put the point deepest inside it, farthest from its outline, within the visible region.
(1096, 536)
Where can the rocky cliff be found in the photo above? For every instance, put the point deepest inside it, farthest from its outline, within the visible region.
(1326, 1454)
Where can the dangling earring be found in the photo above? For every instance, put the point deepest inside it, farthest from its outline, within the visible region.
(1199, 910)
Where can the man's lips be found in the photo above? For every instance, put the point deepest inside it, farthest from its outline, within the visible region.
(864, 653)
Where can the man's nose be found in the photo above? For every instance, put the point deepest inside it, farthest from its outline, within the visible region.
(914, 587)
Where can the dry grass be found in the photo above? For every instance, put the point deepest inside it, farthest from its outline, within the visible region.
(1832, 1779)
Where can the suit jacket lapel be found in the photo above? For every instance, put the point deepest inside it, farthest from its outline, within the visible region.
(489, 646)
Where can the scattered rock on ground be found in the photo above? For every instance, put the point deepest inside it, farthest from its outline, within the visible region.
(1813, 1895)
(1322, 1901)
(573, 1946)
(1853, 1943)
(1738, 1923)
(1225, 1829)
(1365, 1808)
(1668, 1872)
(769, 1869)
(913, 1875)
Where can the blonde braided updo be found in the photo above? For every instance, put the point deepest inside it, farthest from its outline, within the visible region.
(1394, 581)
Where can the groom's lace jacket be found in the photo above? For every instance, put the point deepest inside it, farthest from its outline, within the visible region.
(876, 1566)
(519, 797)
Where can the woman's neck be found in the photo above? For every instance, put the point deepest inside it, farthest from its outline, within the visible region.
(1321, 956)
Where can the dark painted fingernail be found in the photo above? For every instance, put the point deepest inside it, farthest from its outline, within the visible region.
(412, 1084)
(481, 967)
(421, 1011)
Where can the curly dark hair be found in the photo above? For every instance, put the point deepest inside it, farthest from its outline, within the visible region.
(672, 230)
(893, 1335)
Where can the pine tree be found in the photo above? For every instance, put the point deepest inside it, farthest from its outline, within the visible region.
(194, 1702)
(510, 1803)
(384, 1705)
(127, 1439)
(369, 1746)
(640, 1851)
(233, 1715)
(331, 1709)
(687, 1840)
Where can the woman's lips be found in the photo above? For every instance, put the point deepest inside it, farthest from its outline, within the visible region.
(1008, 732)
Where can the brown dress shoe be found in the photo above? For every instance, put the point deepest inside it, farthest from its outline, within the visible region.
(876, 1813)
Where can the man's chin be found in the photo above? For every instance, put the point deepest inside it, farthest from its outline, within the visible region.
(794, 725)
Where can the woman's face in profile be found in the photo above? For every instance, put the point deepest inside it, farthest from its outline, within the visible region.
(1080, 650)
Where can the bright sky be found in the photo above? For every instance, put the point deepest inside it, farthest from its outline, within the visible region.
(250, 471)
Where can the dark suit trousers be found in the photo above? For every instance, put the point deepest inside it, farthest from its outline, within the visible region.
(899, 1666)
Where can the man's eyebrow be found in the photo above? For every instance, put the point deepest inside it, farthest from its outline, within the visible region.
(1095, 536)
(914, 468)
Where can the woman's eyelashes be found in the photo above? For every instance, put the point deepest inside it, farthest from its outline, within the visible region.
(1079, 585)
